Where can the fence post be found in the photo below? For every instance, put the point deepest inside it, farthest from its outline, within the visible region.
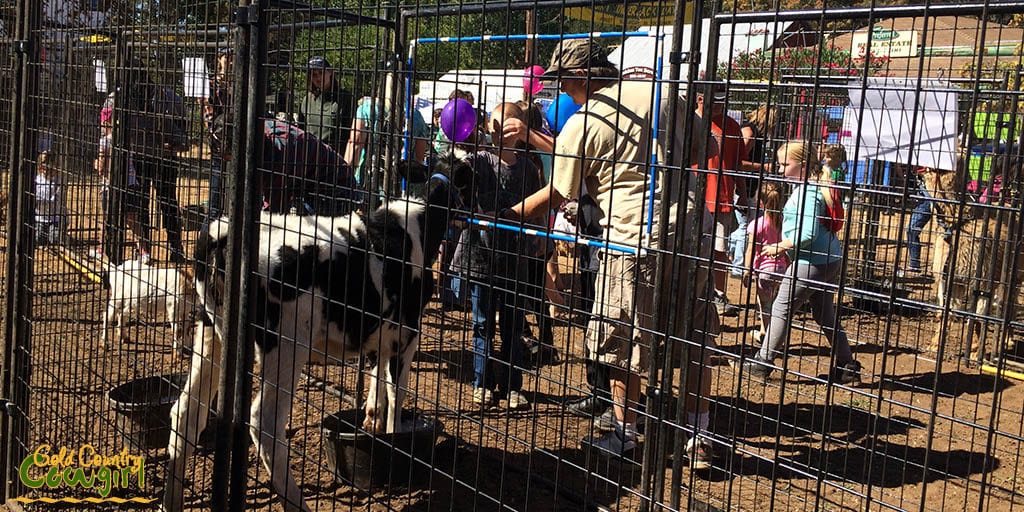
(71, 146)
(248, 240)
(18, 306)
(679, 267)
(223, 474)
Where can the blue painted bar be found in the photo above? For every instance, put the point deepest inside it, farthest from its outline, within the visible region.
(554, 236)
(654, 143)
(538, 37)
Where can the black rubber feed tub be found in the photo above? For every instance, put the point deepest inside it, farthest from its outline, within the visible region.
(374, 461)
(143, 410)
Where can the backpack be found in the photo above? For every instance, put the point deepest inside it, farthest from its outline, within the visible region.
(279, 133)
(835, 215)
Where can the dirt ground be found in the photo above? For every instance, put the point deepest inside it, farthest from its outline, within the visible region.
(915, 434)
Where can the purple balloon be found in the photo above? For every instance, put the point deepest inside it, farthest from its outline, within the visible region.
(458, 119)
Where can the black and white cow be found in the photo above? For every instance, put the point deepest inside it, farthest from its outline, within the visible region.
(324, 288)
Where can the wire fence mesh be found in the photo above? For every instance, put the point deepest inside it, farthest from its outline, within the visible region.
(213, 206)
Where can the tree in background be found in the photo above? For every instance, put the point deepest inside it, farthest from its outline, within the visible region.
(775, 65)
(359, 51)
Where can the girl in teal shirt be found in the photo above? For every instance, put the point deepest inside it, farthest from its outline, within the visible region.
(816, 254)
(370, 119)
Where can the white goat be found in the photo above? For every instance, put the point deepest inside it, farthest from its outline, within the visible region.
(135, 287)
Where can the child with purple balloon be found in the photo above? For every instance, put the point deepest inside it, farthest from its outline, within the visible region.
(493, 260)
(442, 144)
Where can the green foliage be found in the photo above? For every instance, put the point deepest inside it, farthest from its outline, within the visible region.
(208, 13)
(444, 57)
(359, 51)
(998, 76)
(760, 65)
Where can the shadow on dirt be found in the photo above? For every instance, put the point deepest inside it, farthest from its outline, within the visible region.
(788, 442)
(948, 384)
(483, 478)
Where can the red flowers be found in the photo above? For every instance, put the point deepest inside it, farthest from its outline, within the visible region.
(775, 64)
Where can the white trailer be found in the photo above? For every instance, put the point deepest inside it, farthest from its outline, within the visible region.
(489, 87)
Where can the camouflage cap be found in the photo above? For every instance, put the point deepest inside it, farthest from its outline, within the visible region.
(579, 54)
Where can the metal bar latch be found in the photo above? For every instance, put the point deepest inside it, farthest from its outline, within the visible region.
(248, 15)
(683, 57)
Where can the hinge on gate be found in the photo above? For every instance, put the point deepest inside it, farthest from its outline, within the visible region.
(683, 57)
(248, 15)
(6, 407)
(652, 392)
(20, 46)
(390, 62)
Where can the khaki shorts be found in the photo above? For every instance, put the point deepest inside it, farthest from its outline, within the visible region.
(725, 225)
(620, 330)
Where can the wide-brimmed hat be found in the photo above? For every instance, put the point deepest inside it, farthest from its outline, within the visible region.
(583, 54)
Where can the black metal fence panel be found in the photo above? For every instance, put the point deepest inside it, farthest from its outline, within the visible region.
(526, 256)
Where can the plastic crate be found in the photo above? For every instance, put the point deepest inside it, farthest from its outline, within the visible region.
(860, 172)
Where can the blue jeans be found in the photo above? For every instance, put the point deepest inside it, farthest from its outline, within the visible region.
(453, 292)
(215, 202)
(918, 220)
(738, 242)
(508, 372)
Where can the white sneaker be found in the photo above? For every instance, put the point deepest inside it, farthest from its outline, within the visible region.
(483, 397)
(699, 452)
(517, 401)
(755, 335)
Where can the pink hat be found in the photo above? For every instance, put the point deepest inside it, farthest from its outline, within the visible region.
(106, 115)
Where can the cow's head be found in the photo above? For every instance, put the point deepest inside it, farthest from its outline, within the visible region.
(448, 185)
(446, 190)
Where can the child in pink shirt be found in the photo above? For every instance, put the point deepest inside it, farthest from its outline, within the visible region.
(766, 229)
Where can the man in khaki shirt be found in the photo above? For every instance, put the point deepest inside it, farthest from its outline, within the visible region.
(607, 145)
